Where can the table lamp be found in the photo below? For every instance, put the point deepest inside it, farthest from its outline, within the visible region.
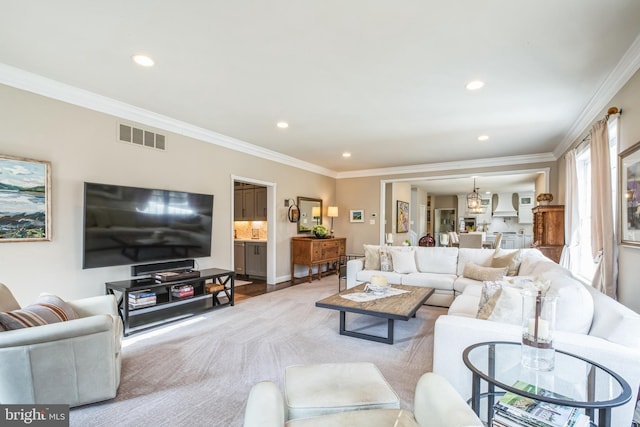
(332, 212)
(315, 213)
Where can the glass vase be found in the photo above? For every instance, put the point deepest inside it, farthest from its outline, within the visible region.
(538, 327)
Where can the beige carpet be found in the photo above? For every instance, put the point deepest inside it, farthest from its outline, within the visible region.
(198, 372)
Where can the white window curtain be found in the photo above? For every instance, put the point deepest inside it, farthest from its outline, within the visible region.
(570, 252)
(603, 245)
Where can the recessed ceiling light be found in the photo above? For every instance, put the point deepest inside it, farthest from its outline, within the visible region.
(283, 125)
(346, 154)
(474, 85)
(143, 60)
(483, 137)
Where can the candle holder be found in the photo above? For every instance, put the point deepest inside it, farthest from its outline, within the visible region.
(538, 327)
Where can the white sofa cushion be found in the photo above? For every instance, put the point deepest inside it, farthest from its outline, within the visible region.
(436, 259)
(476, 256)
(430, 280)
(404, 260)
(463, 283)
(613, 321)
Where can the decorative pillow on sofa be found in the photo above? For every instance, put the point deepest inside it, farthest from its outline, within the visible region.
(505, 306)
(386, 263)
(478, 272)
(509, 259)
(404, 260)
(47, 309)
(371, 257)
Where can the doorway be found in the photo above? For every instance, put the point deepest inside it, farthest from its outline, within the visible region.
(253, 224)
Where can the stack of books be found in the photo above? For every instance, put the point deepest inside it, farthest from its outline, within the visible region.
(140, 299)
(514, 410)
(182, 291)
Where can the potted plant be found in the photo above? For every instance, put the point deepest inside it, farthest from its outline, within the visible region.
(320, 231)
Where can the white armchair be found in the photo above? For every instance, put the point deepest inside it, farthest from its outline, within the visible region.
(73, 362)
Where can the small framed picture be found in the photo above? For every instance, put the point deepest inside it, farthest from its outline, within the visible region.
(356, 215)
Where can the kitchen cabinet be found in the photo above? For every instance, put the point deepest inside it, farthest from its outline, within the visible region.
(525, 206)
(255, 259)
(238, 257)
(249, 202)
(548, 230)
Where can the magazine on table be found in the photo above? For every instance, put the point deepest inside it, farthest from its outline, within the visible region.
(531, 412)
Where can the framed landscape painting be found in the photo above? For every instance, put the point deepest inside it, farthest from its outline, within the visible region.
(356, 215)
(25, 208)
(402, 225)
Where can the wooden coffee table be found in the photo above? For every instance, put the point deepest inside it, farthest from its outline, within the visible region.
(397, 307)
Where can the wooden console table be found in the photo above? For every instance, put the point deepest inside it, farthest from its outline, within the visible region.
(311, 251)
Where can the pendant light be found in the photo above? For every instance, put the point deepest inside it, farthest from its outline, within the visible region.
(473, 199)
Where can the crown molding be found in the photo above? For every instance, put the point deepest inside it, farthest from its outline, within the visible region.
(446, 166)
(617, 78)
(30, 82)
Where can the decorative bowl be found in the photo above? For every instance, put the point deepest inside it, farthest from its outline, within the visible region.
(544, 198)
(377, 290)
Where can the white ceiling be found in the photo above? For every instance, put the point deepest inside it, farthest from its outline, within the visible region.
(383, 80)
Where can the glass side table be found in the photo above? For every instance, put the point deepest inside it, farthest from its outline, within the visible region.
(586, 384)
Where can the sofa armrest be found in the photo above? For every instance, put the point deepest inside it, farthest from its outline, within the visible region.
(57, 331)
(353, 267)
(453, 334)
(265, 406)
(101, 304)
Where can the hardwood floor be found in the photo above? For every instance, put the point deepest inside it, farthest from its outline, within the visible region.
(256, 287)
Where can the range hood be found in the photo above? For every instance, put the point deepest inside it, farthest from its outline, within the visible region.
(505, 207)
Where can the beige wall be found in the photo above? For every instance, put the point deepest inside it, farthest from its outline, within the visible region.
(627, 99)
(81, 146)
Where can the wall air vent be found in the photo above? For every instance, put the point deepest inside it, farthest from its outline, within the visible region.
(142, 137)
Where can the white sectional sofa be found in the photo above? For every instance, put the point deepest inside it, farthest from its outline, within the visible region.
(441, 268)
(590, 324)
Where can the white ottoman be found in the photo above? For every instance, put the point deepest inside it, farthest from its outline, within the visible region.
(313, 390)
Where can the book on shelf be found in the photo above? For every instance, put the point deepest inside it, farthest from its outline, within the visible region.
(134, 305)
(515, 410)
(143, 293)
(182, 291)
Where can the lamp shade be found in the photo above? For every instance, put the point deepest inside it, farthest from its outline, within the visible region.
(332, 211)
(315, 211)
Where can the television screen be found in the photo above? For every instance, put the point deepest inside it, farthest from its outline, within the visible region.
(128, 225)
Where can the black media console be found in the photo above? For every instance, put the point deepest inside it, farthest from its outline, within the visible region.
(147, 302)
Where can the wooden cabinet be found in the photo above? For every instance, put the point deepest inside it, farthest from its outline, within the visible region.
(311, 252)
(548, 230)
(260, 204)
(255, 259)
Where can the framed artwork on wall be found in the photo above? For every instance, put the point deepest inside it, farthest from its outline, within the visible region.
(25, 205)
(356, 215)
(402, 223)
(629, 171)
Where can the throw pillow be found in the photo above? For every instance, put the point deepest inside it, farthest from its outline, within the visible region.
(478, 272)
(404, 260)
(504, 306)
(47, 309)
(386, 263)
(371, 257)
(509, 259)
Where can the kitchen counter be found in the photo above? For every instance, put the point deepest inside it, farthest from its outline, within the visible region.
(250, 240)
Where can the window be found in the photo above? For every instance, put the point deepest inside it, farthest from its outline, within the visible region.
(585, 265)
